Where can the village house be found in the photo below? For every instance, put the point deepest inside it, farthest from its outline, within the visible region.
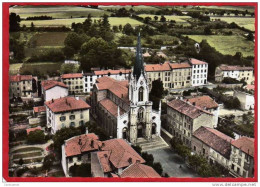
(212, 145)
(205, 102)
(123, 109)
(235, 72)
(22, 86)
(77, 150)
(75, 82)
(247, 101)
(183, 119)
(199, 72)
(65, 112)
(113, 157)
(242, 157)
(53, 90)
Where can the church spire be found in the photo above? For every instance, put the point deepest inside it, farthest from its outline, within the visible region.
(139, 65)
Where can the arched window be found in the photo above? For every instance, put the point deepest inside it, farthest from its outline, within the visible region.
(141, 94)
(140, 114)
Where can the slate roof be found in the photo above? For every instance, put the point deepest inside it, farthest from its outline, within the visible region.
(215, 139)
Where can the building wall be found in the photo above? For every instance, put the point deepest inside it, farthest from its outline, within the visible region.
(75, 84)
(21, 89)
(247, 101)
(199, 74)
(242, 164)
(55, 93)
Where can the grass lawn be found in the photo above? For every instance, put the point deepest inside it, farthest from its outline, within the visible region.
(227, 44)
(14, 68)
(67, 22)
(26, 155)
(179, 19)
(44, 68)
(247, 22)
(53, 39)
(26, 149)
(56, 11)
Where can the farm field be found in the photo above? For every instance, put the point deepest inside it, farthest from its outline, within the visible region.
(135, 8)
(247, 22)
(57, 11)
(14, 68)
(227, 45)
(178, 19)
(67, 22)
(44, 68)
(53, 39)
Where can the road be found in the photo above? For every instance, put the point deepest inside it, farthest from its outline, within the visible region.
(171, 162)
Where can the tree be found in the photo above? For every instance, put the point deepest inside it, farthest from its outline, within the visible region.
(36, 137)
(20, 162)
(73, 40)
(250, 36)
(115, 28)
(157, 88)
(69, 68)
(120, 28)
(147, 20)
(158, 168)
(48, 162)
(128, 29)
(14, 22)
(155, 18)
(207, 31)
(32, 26)
(69, 52)
(163, 19)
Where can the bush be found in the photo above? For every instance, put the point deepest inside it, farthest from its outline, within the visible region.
(20, 172)
(229, 80)
(83, 170)
(48, 162)
(36, 137)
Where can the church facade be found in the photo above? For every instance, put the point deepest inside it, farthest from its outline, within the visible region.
(123, 109)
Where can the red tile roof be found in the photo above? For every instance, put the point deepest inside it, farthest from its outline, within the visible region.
(80, 144)
(33, 129)
(234, 68)
(138, 170)
(215, 139)
(103, 157)
(204, 101)
(48, 84)
(196, 61)
(39, 109)
(180, 65)
(245, 144)
(250, 87)
(158, 67)
(112, 72)
(18, 78)
(187, 109)
(119, 88)
(122, 154)
(111, 107)
(66, 104)
(71, 75)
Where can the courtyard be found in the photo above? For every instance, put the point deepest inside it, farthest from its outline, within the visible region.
(171, 163)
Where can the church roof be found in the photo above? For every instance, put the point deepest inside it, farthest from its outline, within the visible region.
(139, 64)
(111, 107)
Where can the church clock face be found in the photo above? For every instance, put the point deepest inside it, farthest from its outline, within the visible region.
(141, 82)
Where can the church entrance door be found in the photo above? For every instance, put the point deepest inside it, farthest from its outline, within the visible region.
(153, 128)
(140, 130)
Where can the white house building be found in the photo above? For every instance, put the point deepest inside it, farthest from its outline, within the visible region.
(53, 90)
(199, 72)
(247, 100)
(65, 112)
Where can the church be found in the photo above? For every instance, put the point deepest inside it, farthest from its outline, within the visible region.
(122, 108)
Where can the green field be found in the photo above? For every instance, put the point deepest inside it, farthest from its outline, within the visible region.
(14, 68)
(45, 68)
(128, 7)
(247, 22)
(179, 19)
(67, 22)
(227, 44)
(56, 11)
(50, 39)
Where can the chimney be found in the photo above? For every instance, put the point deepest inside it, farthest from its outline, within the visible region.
(52, 100)
(86, 130)
(77, 98)
(122, 95)
(130, 160)
(105, 155)
(80, 143)
(103, 144)
(92, 143)
(193, 103)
